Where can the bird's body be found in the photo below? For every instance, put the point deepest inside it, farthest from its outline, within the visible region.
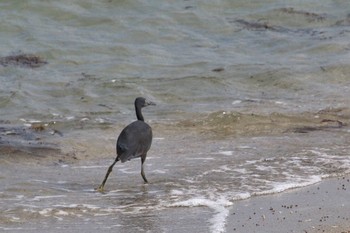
(134, 141)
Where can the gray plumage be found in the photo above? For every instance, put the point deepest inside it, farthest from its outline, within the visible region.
(134, 141)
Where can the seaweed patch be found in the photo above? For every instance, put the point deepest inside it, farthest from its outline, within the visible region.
(23, 60)
(256, 25)
(309, 15)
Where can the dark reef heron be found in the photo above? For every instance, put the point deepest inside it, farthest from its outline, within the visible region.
(134, 141)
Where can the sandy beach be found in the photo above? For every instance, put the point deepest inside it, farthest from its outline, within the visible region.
(323, 207)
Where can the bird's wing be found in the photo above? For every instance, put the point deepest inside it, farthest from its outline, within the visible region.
(133, 141)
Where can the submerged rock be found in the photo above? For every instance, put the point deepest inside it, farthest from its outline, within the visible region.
(27, 140)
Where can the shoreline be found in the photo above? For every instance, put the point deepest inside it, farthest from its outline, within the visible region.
(322, 207)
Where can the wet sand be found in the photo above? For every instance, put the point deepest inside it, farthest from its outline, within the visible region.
(323, 207)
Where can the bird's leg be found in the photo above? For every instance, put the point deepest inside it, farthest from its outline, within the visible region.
(100, 189)
(143, 158)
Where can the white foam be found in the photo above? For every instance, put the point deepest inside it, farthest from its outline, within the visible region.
(15, 219)
(220, 207)
(242, 196)
(19, 197)
(41, 181)
(30, 120)
(91, 207)
(225, 168)
(62, 213)
(246, 147)
(263, 168)
(219, 220)
(201, 158)
(38, 198)
(159, 171)
(88, 167)
(102, 214)
(127, 171)
(73, 206)
(176, 192)
(281, 187)
(236, 102)
(280, 103)
(240, 170)
(67, 206)
(45, 212)
(12, 228)
(100, 120)
(249, 162)
(228, 152)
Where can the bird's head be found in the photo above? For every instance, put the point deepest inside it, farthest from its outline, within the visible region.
(142, 102)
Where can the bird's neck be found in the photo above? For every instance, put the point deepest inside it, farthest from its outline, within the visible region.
(139, 114)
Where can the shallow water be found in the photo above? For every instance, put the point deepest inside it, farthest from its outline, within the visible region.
(252, 99)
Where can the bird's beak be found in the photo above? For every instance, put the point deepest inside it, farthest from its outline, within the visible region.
(149, 103)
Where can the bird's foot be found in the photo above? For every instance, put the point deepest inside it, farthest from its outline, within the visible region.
(100, 189)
